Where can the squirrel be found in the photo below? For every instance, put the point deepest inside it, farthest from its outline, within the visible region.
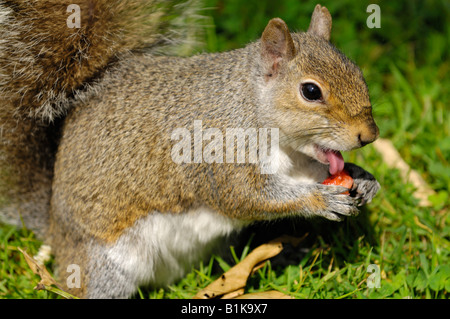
(94, 120)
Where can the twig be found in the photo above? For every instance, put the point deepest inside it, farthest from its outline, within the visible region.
(394, 160)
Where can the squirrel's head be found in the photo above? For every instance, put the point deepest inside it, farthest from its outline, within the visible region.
(319, 98)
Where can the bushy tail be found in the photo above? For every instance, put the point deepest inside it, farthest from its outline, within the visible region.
(51, 51)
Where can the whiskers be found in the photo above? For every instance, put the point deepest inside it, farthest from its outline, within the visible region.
(303, 137)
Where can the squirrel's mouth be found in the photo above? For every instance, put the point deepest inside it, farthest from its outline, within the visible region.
(332, 157)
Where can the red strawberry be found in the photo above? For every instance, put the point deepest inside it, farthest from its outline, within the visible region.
(340, 179)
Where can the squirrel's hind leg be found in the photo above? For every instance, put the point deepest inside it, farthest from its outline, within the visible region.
(156, 251)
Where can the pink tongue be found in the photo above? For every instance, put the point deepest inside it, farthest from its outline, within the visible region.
(336, 161)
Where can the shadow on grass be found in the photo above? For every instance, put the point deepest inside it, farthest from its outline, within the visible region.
(342, 239)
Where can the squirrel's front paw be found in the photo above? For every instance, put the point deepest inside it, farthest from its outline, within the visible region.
(364, 190)
(337, 204)
(365, 186)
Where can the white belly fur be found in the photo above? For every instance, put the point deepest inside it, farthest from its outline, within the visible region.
(160, 248)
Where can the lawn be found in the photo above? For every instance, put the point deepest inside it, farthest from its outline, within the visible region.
(406, 65)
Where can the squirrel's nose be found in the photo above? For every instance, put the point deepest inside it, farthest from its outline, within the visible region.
(368, 135)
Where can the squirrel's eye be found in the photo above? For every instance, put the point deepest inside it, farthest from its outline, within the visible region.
(311, 92)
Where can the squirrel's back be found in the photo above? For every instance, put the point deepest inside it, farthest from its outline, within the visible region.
(51, 52)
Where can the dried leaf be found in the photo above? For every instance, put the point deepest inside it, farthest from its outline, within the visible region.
(257, 267)
(47, 280)
(233, 294)
(236, 278)
(272, 294)
(40, 270)
(232, 282)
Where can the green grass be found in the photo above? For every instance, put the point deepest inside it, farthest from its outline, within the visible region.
(16, 279)
(406, 65)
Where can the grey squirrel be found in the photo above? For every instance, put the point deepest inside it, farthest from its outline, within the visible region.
(93, 125)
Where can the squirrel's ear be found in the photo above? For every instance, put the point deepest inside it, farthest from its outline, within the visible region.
(276, 44)
(320, 22)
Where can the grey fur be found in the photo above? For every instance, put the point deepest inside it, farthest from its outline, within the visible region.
(121, 208)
